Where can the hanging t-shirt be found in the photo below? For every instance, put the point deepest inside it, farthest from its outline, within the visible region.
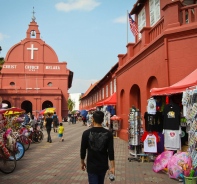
(150, 144)
(150, 122)
(172, 139)
(153, 122)
(159, 119)
(171, 115)
(151, 108)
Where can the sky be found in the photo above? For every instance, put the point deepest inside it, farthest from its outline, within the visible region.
(87, 34)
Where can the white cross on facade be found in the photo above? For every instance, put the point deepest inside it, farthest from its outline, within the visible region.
(32, 50)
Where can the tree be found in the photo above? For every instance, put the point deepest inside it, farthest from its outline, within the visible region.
(1, 62)
(71, 105)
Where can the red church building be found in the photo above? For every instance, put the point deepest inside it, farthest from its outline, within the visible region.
(164, 52)
(32, 78)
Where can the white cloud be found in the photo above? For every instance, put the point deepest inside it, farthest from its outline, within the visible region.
(2, 36)
(81, 85)
(122, 20)
(85, 5)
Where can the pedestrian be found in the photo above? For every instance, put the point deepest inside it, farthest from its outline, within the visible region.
(99, 144)
(89, 119)
(55, 122)
(61, 132)
(69, 120)
(49, 122)
(84, 120)
(26, 119)
(72, 119)
(33, 122)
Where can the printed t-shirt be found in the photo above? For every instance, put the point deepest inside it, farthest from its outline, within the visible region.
(150, 144)
(171, 115)
(151, 108)
(172, 139)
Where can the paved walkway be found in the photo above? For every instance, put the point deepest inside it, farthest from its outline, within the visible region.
(59, 162)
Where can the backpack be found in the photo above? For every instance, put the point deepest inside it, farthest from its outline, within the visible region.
(55, 118)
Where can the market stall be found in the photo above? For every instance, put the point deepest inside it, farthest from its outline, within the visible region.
(116, 124)
(182, 112)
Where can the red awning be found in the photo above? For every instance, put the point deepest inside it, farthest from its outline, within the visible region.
(179, 87)
(109, 101)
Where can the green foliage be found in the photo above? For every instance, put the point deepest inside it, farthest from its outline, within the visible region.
(1, 63)
(71, 105)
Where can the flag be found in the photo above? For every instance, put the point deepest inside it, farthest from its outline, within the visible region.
(133, 26)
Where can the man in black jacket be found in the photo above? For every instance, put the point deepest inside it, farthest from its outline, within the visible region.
(99, 144)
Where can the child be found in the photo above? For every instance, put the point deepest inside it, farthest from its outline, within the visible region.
(60, 132)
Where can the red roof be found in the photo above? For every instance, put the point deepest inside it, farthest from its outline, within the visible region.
(109, 101)
(89, 89)
(179, 87)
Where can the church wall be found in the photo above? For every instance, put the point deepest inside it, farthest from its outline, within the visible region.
(32, 72)
(151, 64)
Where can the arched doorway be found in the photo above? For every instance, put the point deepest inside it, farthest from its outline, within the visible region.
(27, 106)
(135, 99)
(7, 102)
(47, 104)
(122, 100)
(152, 83)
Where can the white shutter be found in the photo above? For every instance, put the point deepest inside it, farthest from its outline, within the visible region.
(154, 6)
(141, 21)
(151, 7)
(157, 10)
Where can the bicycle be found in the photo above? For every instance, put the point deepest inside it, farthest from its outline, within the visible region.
(6, 165)
(35, 135)
(22, 139)
(19, 151)
(12, 145)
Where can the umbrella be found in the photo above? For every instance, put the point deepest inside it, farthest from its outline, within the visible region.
(47, 110)
(2, 111)
(14, 111)
(178, 164)
(114, 117)
(162, 161)
(84, 113)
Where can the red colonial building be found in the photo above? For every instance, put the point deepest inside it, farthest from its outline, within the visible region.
(32, 78)
(164, 52)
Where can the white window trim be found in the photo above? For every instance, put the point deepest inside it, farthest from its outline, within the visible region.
(141, 21)
(154, 7)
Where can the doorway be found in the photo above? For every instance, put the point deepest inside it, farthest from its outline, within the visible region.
(27, 106)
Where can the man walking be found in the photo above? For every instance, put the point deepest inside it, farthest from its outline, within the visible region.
(100, 147)
(49, 121)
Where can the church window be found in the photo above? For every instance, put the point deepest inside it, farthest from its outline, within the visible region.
(106, 90)
(12, 84)
(154, 7)
(111, 88)
(141, 21)
(114, 85)
(49, 84)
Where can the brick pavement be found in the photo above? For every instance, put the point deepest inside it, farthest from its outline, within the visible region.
(59, 162)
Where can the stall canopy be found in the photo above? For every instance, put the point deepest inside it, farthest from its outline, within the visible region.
(109, 101)
(179, 87)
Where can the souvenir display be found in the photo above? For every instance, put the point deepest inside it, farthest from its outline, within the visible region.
(135, 132)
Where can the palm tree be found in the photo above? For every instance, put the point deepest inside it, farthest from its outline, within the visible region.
(71, 105)
(1, 62)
